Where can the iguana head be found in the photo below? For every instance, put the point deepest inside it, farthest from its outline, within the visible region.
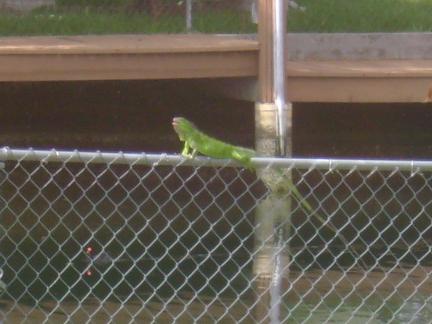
(183, 127)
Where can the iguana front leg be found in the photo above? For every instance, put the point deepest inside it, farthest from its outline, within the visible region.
(186, 151)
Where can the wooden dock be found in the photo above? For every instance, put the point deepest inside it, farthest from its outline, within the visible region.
(126, 57)
(215, 57)
(380, 81)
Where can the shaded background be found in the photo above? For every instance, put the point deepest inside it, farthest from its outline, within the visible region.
(136, 116)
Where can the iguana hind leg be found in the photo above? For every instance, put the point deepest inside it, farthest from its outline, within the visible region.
(243, 159)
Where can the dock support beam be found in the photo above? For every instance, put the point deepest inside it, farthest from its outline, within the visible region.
(272, 137)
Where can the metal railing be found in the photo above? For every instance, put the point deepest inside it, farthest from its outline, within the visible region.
(142, 238)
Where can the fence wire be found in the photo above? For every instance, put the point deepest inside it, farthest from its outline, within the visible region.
(135, 238)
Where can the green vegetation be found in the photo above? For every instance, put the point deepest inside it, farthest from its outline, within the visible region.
(99, 22)
(89, 22)
(124, 16)
(362, 16)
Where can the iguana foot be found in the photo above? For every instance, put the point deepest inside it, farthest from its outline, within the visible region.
(186, 150)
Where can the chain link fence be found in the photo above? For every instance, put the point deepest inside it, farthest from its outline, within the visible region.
(70, 17)
(135, 238)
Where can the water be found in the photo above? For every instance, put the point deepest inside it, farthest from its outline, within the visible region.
(333, 311)
(354, 310)
(206, 288)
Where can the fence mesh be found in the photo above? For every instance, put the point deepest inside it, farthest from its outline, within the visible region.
(99, 237)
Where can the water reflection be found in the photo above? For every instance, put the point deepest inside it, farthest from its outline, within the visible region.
(124, 291)
(185, 308)
(360, 309)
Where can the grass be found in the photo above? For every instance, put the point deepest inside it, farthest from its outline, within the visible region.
(320, 16)
(86, 23)
(99, 22)
(362, 16)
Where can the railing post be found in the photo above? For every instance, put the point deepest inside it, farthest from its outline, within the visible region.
(188, 15)
(272, 73)
(279, 77)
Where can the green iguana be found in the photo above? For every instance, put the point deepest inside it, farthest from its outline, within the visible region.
(197, 141)
(278, 182)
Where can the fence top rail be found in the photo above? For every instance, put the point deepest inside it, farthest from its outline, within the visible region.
(75, 156)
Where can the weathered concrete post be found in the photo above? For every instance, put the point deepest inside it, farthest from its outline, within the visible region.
(271, 262)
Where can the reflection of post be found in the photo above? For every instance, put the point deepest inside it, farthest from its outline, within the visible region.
(273, 214)
(272, 257)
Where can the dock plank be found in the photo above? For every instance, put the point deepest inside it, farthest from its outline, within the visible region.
(125, 44)
(360, 81)
(360, 69)
(126, 57)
